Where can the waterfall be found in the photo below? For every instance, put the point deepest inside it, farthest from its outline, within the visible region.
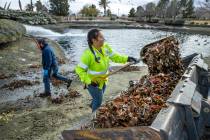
(43, 32)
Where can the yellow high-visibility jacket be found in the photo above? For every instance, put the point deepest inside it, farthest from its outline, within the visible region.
(90, 70)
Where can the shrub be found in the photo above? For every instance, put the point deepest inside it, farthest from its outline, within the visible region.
(192, 23)
(112, 18)
(205, 23)
(178, 22)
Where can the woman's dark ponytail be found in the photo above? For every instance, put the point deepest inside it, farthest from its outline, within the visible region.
(92, 34)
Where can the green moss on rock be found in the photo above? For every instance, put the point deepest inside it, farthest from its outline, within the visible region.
(10, 31)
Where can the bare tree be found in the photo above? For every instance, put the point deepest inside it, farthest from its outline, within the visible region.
(32, 6)
(207, 5)
(5, 5)
(173, 9)
(203, 11)
(161, 8)
(140, 12)
(8, 5)
(150, 10)
(20, 5)
(190, 8)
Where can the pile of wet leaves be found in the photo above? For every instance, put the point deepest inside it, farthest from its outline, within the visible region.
(163, 57)
(56, 82)
(73, 93)
(61, 97)
(3, 76)
(58, 99)
(61, 61)
(35, 66)
(19, 83)
(140, 104)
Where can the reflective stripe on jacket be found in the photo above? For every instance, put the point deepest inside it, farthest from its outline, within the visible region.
(90, 70)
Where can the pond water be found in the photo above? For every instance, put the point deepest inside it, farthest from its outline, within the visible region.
(124, 41)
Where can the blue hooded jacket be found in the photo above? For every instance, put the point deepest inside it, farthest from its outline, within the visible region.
(48, 58)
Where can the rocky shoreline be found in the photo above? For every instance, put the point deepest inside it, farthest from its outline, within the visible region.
(10, 31)
(27, 17)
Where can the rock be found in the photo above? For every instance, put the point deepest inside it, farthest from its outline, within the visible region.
(31, 22)
(27, 17)
(10, 31)
(13, 53)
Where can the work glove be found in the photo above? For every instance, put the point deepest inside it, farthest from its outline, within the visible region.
(44, 73)
(132, 59)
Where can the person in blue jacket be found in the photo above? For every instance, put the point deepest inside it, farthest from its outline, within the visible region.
(50, 67)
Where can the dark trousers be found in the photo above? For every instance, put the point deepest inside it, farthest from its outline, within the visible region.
(55, 74)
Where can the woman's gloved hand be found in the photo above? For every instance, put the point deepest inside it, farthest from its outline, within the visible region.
(132, 59)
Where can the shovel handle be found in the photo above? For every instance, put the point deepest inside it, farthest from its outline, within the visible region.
(125, 66)
(32, 38)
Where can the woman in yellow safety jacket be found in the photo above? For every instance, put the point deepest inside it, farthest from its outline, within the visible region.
(94, 65)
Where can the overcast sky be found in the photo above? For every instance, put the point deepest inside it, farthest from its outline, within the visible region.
(121, 6)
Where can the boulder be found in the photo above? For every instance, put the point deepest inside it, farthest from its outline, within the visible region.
(10, 31)
(23, 55)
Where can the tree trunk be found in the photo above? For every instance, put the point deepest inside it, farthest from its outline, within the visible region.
(104, 10)
(20, 6)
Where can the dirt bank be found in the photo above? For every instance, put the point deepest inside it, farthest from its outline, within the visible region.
(20, 80)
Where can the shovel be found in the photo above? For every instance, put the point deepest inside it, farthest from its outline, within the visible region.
(121, 68)
(117, 70)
